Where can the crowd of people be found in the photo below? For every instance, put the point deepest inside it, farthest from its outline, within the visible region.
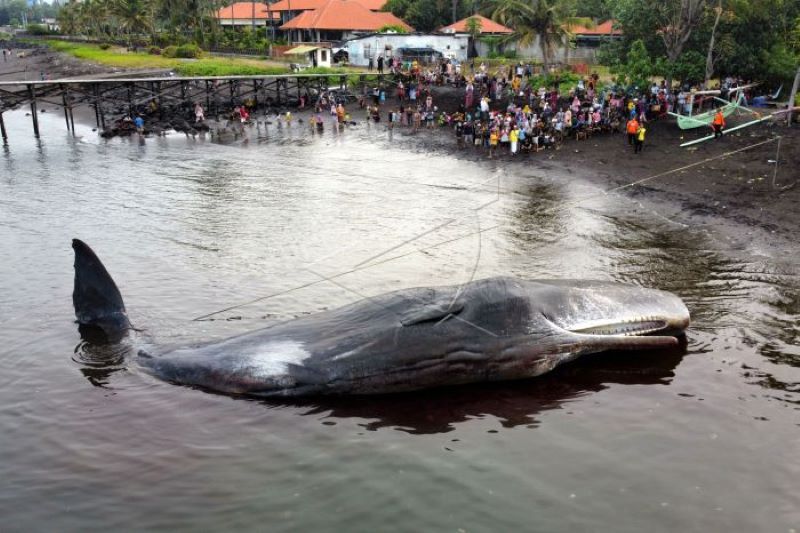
(507, 111)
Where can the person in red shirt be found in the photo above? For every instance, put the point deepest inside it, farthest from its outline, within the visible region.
(632, 128)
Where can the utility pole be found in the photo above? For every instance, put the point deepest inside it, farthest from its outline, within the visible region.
(793, 96)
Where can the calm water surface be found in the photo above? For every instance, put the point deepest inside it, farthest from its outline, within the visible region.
(702, 439)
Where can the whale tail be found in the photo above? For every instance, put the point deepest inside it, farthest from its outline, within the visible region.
(99, 308)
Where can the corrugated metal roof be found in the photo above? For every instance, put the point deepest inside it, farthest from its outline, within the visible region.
(304, 49)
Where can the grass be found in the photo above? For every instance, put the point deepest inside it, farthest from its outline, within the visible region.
(207, 66)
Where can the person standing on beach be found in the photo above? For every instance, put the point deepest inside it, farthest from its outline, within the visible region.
(494, 139)
(199, 114)
(513, 137)
(718, 124)
(139, 123)
(632, 128)
(639, 144)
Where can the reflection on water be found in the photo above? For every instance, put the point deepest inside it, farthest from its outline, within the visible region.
(247, 233)
(512, 404)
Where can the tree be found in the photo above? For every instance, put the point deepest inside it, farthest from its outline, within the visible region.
(392, 28)
(596, 9)
(12, 10)
(532, 20)
(637, 69)
(426, 15)
(664, 26)
(710, 55)
(134, 16)
(473, 26)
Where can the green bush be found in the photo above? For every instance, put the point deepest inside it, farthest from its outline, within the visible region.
(154, 51)
(188, 51)
(104, 46)
(38, 29)
(510, 54)
(170, 51)
(563, 79)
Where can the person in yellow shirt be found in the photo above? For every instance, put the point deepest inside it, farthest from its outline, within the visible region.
(513, 138)
(639, 144)
(494, 139)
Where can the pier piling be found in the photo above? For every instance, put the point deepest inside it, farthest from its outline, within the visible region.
(34, 114)
(3, 129)
(164, 96)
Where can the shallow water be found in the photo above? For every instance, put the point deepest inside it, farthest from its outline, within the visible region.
(700, 439)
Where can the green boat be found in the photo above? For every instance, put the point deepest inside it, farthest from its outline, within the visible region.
(688, 122)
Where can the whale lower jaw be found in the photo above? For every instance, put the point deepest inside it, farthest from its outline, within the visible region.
(627, 328)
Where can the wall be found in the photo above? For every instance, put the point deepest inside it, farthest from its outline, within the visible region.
(581, 53)
(360, 50)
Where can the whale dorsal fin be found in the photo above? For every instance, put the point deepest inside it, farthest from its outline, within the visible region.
(97, 300)
(430, 313)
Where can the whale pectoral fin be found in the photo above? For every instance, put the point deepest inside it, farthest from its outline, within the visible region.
(430, 313)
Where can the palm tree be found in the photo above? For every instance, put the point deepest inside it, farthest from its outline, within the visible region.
(68, 19)
(536, 19)
(133, 16)
(473, 27)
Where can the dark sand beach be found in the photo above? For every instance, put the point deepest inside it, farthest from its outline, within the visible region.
(745, 181)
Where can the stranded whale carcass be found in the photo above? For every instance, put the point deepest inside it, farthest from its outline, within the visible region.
(487, 330)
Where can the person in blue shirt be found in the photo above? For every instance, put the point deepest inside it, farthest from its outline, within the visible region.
(139, 123)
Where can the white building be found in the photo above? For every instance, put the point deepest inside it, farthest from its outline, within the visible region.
(361, 49)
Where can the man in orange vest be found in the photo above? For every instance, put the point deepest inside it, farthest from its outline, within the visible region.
(718, 124)
(632, 128)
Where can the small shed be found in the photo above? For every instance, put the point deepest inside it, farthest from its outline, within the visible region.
(315, 56)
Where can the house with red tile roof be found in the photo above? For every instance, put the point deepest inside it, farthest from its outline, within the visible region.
(603, 29)
(247, 14)
(487, 26)
(336, 20)
(290, 9)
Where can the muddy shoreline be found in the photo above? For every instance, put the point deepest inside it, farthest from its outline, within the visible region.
(744, 185)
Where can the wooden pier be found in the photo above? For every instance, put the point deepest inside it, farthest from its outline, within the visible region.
(121, 96)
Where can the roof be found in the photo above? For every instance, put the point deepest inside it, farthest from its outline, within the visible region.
(301, 49)
(343, 15)
(487, 26)
(244, 10)
(604, 28)
(305, 5)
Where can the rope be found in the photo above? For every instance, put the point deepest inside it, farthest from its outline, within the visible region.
(369, 262)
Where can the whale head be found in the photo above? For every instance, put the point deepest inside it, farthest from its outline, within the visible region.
(612, 315)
